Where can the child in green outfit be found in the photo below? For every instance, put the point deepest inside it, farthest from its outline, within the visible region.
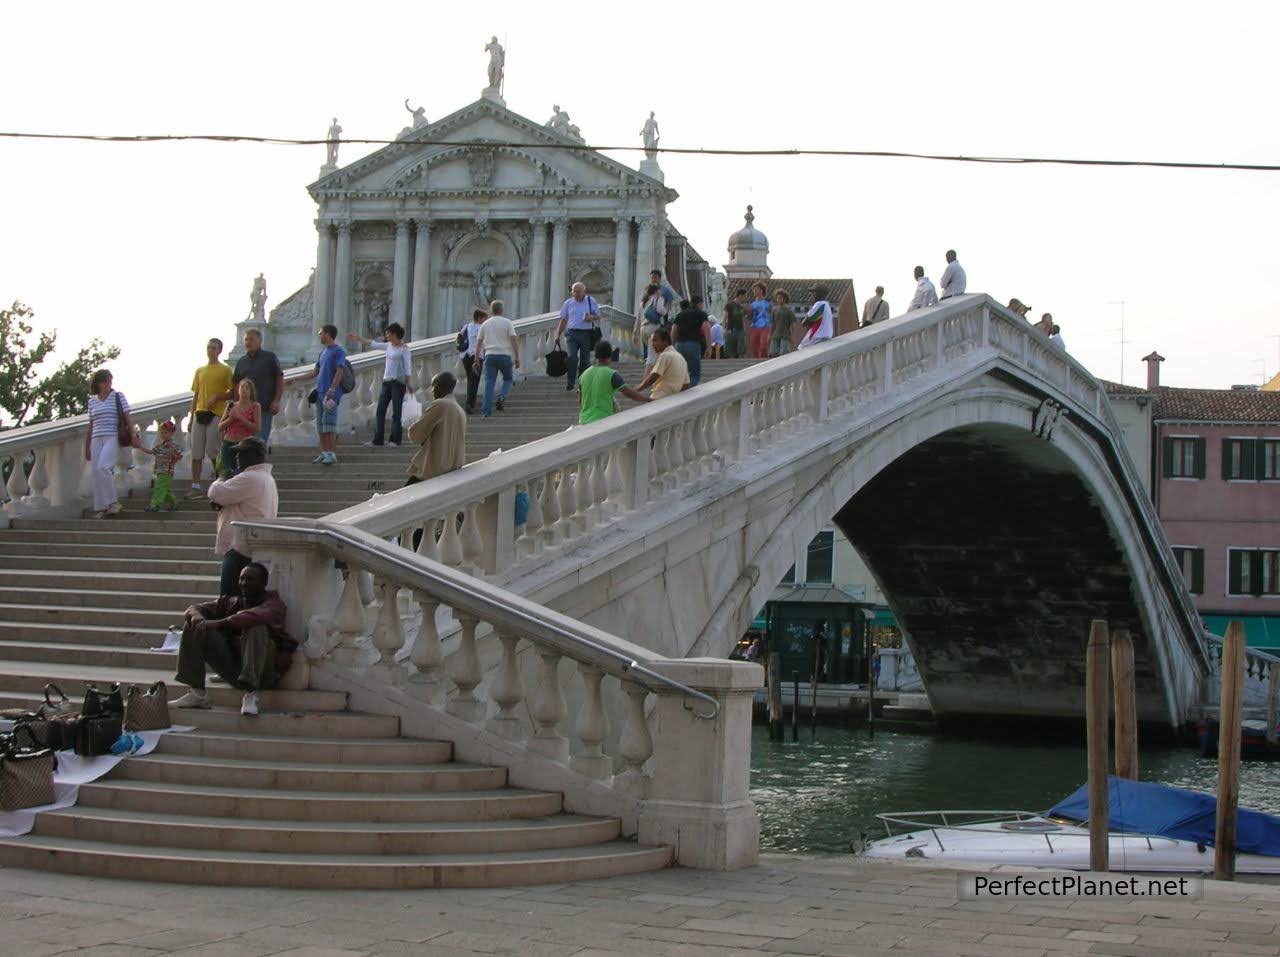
(167, 454)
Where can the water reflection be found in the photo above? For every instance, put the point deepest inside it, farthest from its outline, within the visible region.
(817, 796)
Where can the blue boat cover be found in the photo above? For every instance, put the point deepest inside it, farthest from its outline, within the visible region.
(1138, 807)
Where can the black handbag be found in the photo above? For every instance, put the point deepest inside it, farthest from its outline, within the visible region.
(102, 703)
(95, 736)
(50, 725)
(557, 361)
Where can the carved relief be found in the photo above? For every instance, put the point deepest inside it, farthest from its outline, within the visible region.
(480, 166)
(594, 229)
(1045, 418)
(519, 237)
(368, 230)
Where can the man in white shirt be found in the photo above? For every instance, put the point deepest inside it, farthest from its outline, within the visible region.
(925, 295)
(397, 375)
(499, 349)
(875, 309)
(953, 278)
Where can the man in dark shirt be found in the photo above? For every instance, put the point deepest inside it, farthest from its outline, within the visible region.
(691, 342)
(242, 637)
(262, 368)
(735, 335)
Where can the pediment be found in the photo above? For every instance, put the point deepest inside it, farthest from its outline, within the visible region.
(463, 151)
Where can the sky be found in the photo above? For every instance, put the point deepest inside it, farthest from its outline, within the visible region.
(154, 247)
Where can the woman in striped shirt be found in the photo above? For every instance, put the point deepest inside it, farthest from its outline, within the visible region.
(102, 443)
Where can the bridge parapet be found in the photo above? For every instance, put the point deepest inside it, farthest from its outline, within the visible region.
(678, 772)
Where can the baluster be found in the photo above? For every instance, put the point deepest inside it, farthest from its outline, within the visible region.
(689, 451)
(661, 461)
(426, 655)
(702, 444)
(388, 634)
(615, 494)
(508, 691)
(348, 617)
(599, 487)
(369, 382)
(548, 709)
(592, 727)
(427, 546)
(450, 544)
(582, 482)
(405, 538)
(17, 486)
(566, 504)
(38, 480)
(464, 669)
(675, 453)
(550, 508)
(530, 542)
(724, 434)
(635, 746)
(472, 540)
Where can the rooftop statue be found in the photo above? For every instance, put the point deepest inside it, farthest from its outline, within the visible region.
(497, 65)
(331, 144)
(650, 134)
(419, 119)
(258, 299)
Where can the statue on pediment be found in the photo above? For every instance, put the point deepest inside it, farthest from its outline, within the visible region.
(560, 123)
(497, 65)
(419, 119)
(650, 134)
(331, 143)
(258, 300)
(484, 279)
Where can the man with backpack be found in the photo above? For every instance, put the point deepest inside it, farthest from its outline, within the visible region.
(334, 379)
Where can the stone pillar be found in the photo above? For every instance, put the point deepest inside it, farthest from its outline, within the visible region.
(538, 267)
(699, 799)
(621, 258)
(400, 275)
(343, 279)
(421, 281)
(556, 291)
(644, 258)
(322, 294)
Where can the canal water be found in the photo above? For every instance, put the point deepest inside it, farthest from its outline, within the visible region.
(817, 796)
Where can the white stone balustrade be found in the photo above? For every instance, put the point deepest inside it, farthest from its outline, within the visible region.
(704, 725)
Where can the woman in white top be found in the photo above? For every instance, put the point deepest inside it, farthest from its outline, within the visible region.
(107, 409)
(652, 314)
(396, 380)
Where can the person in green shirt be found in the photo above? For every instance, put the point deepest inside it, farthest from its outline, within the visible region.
(597, 385)
(734, 316)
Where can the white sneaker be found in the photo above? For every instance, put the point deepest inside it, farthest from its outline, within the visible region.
(249, 704)
(394, 445)
(330, 458)
(115, 508)
(319, 459)
(193, 699)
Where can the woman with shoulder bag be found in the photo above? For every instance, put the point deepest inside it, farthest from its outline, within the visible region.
(110, 429)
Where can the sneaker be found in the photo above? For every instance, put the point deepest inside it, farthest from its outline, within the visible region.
(115, 508)
(195, 698)
(500, 403)
(98, 515)
(195, 492)
(373, 445)
(319, 459)
(151, 507)
(249, 704)
(330, 458)
(394, 445)
(569, 387)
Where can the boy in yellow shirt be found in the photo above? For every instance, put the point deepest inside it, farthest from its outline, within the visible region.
(211, 388)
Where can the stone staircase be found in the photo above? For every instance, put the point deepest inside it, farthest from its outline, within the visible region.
(308, 793)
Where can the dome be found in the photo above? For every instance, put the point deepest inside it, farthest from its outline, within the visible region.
(748, 237)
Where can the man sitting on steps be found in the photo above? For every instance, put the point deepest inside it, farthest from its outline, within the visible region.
(241, 636)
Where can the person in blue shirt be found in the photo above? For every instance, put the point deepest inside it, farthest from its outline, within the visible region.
(664, 289)
(328, 373)
(579, 315)
(761, 321)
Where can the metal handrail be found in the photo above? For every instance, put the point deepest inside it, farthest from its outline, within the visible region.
(458, 586)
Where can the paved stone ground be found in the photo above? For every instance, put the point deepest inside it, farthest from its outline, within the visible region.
(787, 905)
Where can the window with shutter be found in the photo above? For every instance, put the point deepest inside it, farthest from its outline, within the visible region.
(1268, 459)
(1237, 571)
(1191, 563)
(1239, 459)
(1184, 457)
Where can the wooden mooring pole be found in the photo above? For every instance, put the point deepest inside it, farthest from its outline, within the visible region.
(775, 696)
(1126, 705)
(1096, 713)
(1230, 708)
(1273, 701)
(795, 706)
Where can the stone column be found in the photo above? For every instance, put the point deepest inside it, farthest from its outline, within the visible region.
(322, 294)
(644, 258)
(418, 321)
(400, 275)
(621, 258)
(342, 282)
(538, 267)
(556, 292)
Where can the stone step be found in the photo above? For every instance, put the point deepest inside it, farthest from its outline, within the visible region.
(90, 656)
(264, 747)
(36, 558)
(153, 620)
(101, 534)
(293, 805)
(161, 529)
(153, 829)
(103, 598)
(336, 724)
(371, 780)
(247, 869)
(46, 632)
(106, 579)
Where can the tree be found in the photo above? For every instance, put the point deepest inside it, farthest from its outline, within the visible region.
(25, 397)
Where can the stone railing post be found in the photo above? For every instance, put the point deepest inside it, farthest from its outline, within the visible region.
(699, 797)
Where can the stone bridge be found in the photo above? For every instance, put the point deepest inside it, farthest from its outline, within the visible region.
(977, 468)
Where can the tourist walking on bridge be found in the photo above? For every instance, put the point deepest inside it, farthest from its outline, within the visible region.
(761, 320)
(735, 328)
(579, 316)
(596, 387)
(397, 379)
(875, 309)
(330, 372)
(690, 336)
(819, 321)
(108, 420)
(925, 295)
(262, 368)
(953, 277)
(499, 349)
(470, 364)
(210, 390)
(783, 320)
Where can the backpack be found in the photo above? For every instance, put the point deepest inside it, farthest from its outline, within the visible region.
(348, 377)
(462, 341)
